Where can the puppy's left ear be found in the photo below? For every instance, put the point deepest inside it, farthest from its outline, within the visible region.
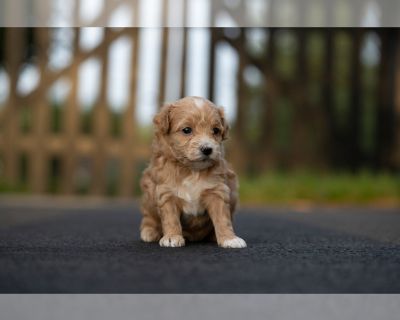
(162, 120)
(225, 125)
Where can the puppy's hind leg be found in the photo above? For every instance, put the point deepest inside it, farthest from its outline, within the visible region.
(150, 228)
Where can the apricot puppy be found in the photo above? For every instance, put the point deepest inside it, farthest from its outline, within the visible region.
(189, 192)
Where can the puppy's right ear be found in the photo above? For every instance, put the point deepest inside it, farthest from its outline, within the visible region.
(225, 124)
(162, 120)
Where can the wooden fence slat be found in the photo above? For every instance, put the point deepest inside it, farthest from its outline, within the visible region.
(239, 151)
(268, 159)
(101, 122)
(71, 125)
(354, 128)
(14, 50)
(211, 71)
(301, 113)
(130, 156)
(128, 173)
(386, 112)
(40, 158)
(327, 95)
(52, 77)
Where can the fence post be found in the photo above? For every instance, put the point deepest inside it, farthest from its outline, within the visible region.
(39, 153)
(385, 133)
(14, 43)
(239, 151)
(268, 158)
(353, 130)
(129, 128)
(101, 122)
(331, 147)
(71, 124)
(302, 118)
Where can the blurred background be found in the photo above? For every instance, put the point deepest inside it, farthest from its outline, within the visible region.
(314, 112)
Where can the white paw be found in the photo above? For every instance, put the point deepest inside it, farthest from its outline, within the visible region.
(172, 241)
(234, 243)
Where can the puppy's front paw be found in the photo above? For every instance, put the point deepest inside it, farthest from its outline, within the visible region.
(172, 241)
(150, 234)
(233, 243)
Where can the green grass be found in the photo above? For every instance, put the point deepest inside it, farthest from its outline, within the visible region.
(21, 188)
(341, 188)
(276, 188)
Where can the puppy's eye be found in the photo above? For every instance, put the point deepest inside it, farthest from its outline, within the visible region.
(187, 130)
(216, 131)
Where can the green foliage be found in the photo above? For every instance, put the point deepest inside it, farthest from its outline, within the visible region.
(287, 48)
(87, 121)
(283, 121)
(54, 179)
(26, 121)
(112, 177)
(116, 124)
(20, 188)
(285, 188)
(56, 117)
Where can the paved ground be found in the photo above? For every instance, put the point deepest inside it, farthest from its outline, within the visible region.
(91, 247)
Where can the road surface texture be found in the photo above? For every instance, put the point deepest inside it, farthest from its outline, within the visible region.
(81, 246)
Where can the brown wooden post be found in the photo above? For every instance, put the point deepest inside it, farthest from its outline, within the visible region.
(385, 132)
(239, 151)
(40, 159)
(129, 129)
(354, 124)
(14, 44)
(101, 122)
(211, 69)
(268, 157)
(71, 124)
(302, 119)
(331, 145)
(306, 147)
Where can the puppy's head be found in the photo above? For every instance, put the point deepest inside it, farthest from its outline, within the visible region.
(192, 130)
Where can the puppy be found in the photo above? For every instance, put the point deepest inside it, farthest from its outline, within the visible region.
(189, 192)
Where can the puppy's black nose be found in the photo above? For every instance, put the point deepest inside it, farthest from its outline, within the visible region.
(206, 150)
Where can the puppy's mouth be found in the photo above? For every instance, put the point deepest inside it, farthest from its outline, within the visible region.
(202, 162)
(204, 158)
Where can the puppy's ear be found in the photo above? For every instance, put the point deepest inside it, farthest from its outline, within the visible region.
(225, 125)
(162, 120)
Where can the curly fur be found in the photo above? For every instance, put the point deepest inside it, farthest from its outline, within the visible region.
(187, 194)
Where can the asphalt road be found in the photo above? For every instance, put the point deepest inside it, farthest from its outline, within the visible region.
(75, 246)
